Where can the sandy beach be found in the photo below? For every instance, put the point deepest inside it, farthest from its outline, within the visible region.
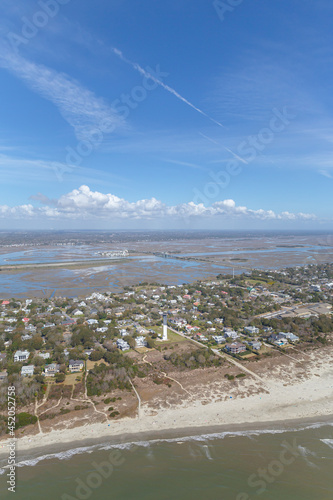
(279, 399)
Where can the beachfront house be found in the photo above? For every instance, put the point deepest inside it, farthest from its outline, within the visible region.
(51, 370)
(278, 339)
(255, 344)
(20, 356)
(290, 336)
(235, 347)
(75, 365)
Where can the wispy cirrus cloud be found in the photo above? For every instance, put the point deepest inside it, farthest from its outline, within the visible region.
(81, 108)
(85, 204)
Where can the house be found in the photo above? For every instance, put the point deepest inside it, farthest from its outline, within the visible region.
(235, 347)
(51, 370)
(30, 328)
(278, 339)
(92, 322)
(291, 337)
(26, 337)
(44, 355)
(219, 339)
(252, 330)
(140, 342)
(230, 333)
(77, 312)
(255, 344)
(123, 345)
(2, 357)
(75, 365)
(27, 371)
(49, 325)
(3, 375)
(21, 356)
(68, 322)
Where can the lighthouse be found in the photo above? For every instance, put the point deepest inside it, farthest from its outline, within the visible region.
(165, 327)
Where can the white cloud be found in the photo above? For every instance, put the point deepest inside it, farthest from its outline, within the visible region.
(85, 204)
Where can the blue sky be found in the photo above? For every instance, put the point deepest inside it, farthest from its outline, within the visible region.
(178, 114)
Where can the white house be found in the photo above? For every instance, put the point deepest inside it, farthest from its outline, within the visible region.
(219, 339)
(27, 371)
(76, 365)
(21, 356)
(290, 336)
(252, 330)
(255, 344)
(123, 345)
(44, 355)
(77, 313)
(92, 321)
(140, 342)
(26, 337)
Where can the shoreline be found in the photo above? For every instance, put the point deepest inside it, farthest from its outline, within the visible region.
(301, 402)
(57, 450)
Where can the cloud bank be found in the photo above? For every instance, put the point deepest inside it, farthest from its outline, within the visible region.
(85, 204)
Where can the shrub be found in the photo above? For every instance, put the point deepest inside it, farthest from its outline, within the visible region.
(23, 419)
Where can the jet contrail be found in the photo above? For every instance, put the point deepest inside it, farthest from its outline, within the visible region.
(138, 68)
(227, 149)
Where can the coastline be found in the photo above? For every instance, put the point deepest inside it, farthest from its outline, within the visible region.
(300, 404)
(76, 447)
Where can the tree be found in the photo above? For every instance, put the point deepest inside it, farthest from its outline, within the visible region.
(60, 377)
(150, 343)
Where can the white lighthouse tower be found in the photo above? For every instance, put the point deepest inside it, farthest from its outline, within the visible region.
(165, 327)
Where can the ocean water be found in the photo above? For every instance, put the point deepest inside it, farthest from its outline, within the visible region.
(271, 464)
